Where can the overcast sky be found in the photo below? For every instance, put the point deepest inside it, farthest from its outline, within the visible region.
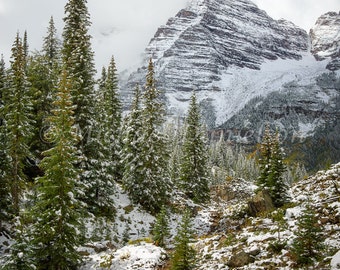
(124, 28)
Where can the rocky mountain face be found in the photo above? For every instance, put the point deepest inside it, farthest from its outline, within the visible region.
(248, 69)
(195, 48)
(325, 38)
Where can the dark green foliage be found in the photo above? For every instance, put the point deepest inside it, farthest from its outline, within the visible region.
(193, 167)
(43, 71)
(18, 121)
(308, 244)
(57, 214)
(153, 189)
(112, 119)
(184, 256)
(20, 257)
(161, 228)
(5, 200)
(272, 169)
(133, 149)
(79, 63)
(78, 59)
(106, 140)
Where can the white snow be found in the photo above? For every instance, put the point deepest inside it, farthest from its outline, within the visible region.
(130, 257)
(335, 262)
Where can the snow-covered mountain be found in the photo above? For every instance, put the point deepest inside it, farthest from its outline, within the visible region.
(231, 52)
(325, 37)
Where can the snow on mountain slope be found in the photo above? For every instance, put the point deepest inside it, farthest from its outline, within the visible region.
(197, 46)
(325, 37)
(230, 52)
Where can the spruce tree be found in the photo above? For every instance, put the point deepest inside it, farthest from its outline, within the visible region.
(161, 228)
(265, 158)
(155, 186)
(43, 72)
(52, 45)
(20, 257)
(106, 162)
(78, 60)
(57, 214)
(175, 133)
(276, 182)
(193, 167)
(184, 256)
(113, 120)
(272, 169)
(308, 244)
(133, 149)
(5, 200)
(18, 120)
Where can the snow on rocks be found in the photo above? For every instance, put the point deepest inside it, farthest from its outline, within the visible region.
(144, 256)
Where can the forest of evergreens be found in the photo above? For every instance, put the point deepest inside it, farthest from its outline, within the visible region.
(65, 144)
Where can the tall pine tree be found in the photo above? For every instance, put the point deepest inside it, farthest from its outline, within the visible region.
(57, 212)
(43, 72)
(193, 167)
(272, 168)
(155, 186)
(133, 149)
(5, 199)
(107, 162)
(113, 120)
(78, 60)
(18, 120)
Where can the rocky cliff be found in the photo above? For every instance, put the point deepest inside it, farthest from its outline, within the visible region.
(247, 68)
(325, 39)
(197, 46)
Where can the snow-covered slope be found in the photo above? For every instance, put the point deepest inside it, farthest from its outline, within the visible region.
(325, 37)
(229, 231)
(230, 53)
(195, 48)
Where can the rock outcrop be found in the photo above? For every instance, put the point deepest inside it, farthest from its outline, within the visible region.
(194, 48)
(247, 69)
(325, 38)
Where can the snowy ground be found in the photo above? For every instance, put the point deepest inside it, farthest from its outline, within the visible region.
(232, 233)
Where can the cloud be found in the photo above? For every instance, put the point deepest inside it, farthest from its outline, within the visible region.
(303, 13)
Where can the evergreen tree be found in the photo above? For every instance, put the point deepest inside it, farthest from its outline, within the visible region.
(308, 244)
(155, 186)
(106, 161)
(20, 257)
(113, 119)
(175, 133)
(5, 200)
(272, 169)
(278, 186)
(133, 149)
(57, 212)
(161, 228)
(78, 60)
(193, 167)
(51, 45)
(43, 72)
(18, 119)
(265, 159)
(184, 255)
(25, 47)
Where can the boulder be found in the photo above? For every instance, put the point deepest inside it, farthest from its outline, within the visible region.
(260, 203)
(240, 259)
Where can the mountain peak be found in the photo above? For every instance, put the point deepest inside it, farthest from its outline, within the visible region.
(203, 40)
(325, 38)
